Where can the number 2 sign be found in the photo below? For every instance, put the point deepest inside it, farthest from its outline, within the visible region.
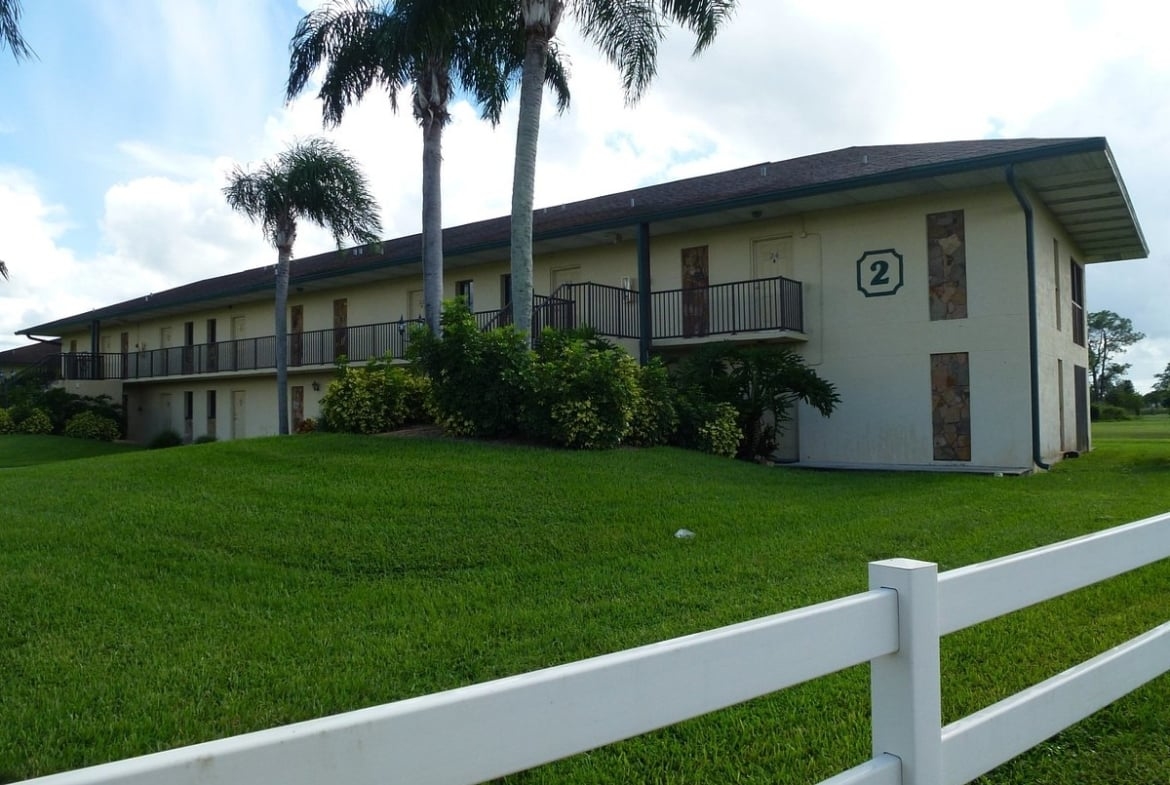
(879, 273)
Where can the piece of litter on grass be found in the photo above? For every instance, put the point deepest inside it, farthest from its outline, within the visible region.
(684, 534)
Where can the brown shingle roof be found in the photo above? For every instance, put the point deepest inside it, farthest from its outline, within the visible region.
(31, 354)
(823, 173)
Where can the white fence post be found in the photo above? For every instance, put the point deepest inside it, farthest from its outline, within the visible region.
(904, 686)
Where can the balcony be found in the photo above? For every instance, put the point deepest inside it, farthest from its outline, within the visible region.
(767, 307)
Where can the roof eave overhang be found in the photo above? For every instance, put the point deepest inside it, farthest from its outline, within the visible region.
(922, 179)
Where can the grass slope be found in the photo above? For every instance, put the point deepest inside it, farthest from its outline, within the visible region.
(155, 599)
(27, 450)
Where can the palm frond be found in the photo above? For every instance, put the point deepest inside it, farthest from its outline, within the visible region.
(3, 270)
(627, 32)
(702, 17)
(326, 186)
(10, 34)
(312, 179)
(359, 46)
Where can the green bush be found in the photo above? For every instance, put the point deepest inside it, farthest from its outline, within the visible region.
(719, 433)
(376, 398)
(166, 438)
(757, 381)
(36, 421)
(478, 380)
(6, 423)
(91, 425)
(584, 391)
(655, 420)
(1107, 411)
(206, 438)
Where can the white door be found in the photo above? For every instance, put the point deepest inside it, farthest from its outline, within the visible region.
(415, 304)
(239, 409)
(771, 258)
(563, 275)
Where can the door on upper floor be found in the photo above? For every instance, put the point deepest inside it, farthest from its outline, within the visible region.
(559, 313)
(340, 327)
(696, 304)
(763, 306)
(240, 351)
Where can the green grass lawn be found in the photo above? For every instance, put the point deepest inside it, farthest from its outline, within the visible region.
(25, 450)
(154, 599)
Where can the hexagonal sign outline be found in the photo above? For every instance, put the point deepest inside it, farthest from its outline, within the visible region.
(880, 272)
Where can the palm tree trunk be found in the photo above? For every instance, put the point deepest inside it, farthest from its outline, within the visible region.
(524, 180)
(432, 222)
(283, 262)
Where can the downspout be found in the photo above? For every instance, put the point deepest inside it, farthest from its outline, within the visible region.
(1033, 317)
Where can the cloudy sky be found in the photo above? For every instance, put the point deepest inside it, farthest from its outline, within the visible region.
(114, 144)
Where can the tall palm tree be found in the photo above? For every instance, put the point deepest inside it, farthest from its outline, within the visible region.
(315, 181)
(628, 33)
(10, 30)
(429, 45)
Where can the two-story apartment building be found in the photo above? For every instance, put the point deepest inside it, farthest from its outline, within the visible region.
(940, 286)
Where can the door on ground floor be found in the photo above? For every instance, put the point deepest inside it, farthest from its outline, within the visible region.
(239, 410)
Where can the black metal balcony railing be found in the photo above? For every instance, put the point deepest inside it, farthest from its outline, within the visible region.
(766, 304)
(727, 309)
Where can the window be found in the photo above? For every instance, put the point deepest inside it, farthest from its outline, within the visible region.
(211, 405)
(188, 405)
(464, 289)
(1078, 302)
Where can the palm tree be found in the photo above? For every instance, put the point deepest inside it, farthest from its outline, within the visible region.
(628, 33)
(311, 180)
(3, 270)
(429, 45)
(10, 30)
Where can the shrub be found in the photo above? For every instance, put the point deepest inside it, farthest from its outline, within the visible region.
(655, 418)
(36, 421)
(6, 423)
(1107, 411)
(206, 438)
(478, 380)
(719, 433)
(307, 425)
(374, 399)
(61, 406)
(90, 425)
(584, 391)
(756, 381)
(166, 438)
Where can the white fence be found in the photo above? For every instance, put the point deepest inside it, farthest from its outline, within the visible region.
(476, 733)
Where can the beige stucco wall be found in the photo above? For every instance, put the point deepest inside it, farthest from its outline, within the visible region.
(245, 405)
(875, 349)
(1058, 352)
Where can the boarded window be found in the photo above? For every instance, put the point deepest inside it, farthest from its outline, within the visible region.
(946, 244)
(950, 393)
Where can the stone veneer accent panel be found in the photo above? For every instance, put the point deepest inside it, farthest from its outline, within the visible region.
(950, 388)
(946, 248)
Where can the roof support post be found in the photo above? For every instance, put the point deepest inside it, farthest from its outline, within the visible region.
(645, 318)
(95, 346)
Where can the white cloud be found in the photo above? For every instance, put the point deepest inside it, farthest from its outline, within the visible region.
(783, 79)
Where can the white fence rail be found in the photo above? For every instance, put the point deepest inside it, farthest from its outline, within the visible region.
(487, 730)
